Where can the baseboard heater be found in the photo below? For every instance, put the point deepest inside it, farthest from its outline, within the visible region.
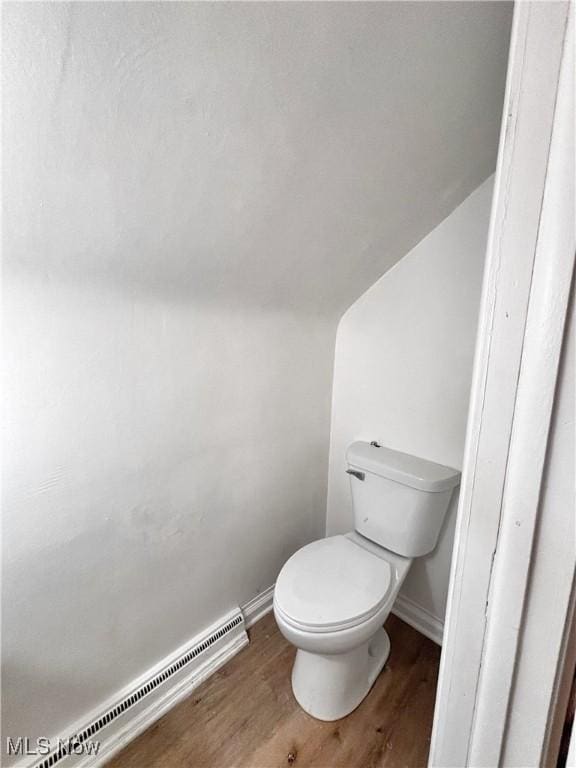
(127, 702)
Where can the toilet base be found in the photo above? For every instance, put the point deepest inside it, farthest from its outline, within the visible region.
(330, 686)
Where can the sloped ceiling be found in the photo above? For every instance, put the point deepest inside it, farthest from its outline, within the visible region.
(272, 154)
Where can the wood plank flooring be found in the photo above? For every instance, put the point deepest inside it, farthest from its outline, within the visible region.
(245, 715)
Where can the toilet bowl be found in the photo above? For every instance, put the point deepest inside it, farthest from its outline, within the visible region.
(333, 596)
(331, 599)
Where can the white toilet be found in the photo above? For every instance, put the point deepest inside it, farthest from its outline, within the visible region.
(333, 596)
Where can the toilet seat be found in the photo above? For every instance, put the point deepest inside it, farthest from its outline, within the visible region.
(332, 584)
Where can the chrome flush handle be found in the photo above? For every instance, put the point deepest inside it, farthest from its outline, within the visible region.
(356, 474)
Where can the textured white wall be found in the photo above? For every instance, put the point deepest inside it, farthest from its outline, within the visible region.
(193, 194)
(161, 462)
(403, 368)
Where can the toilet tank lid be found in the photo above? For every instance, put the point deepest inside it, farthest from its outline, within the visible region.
(402, 467)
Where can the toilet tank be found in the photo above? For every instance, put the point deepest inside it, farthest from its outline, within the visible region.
(399, 500)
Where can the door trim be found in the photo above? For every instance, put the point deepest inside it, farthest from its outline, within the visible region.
(530, 260)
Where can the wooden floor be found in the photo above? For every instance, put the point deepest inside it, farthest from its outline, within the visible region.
(245, 715)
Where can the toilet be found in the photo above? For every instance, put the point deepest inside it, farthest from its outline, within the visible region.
(333, 596)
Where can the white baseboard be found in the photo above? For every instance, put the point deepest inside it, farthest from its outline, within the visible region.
(419, 618)
(137, 718)
(125, 727)
(252, 612)
(258, 607)
(175, 693)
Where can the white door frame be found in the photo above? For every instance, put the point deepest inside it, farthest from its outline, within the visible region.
(530, 261)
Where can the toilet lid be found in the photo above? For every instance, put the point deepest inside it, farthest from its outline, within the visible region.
(333, 583)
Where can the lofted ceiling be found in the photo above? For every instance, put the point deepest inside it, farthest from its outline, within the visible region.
(267, 154)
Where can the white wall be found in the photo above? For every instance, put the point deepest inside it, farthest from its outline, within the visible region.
(158, 470)
(403, 368)
(193, 193)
